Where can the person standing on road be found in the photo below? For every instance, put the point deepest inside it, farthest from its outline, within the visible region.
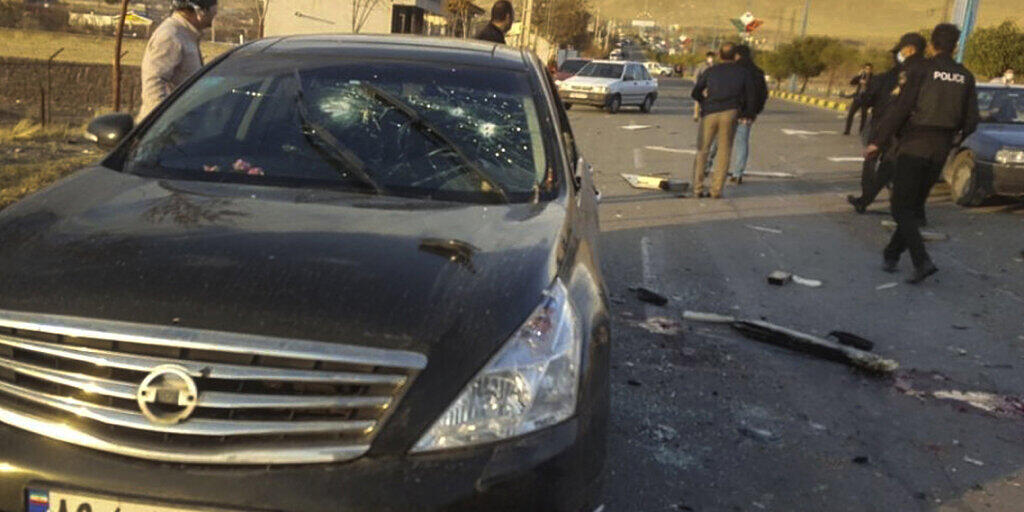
(877, 171)
(937, 104)
(502, 17)
(741, 142)
(727, 96)
(862, 82)
(709, 60)
(172, 53)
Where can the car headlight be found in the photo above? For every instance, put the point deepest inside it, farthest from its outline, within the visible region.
(1010, 156)
(601, 88)
(531, 383)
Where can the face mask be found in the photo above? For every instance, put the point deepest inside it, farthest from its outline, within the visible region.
(900, 58)
(710, 61)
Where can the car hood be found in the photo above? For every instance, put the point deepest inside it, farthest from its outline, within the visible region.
(389, 272)
(590, 80)
(1003, 134)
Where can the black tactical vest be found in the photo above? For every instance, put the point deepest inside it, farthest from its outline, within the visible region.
(942, 100)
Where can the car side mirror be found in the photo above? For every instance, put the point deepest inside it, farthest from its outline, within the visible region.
(108, 130)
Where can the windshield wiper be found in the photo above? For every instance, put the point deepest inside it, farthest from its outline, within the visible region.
(427, 128)
(336, 151)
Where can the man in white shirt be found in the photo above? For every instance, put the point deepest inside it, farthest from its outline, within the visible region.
(172, 54)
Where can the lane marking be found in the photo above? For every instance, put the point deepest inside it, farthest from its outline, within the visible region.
(845, 159)
(635, 127)
(764, 229)
(806, 133)
(672, 150)
(638, 159)
(764, 174)
(649, 277)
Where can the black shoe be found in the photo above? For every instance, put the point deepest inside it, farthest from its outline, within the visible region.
(891, 266)
(846, 133)
(857, 205)
(739, 180)
(922, 273)
(733, 179)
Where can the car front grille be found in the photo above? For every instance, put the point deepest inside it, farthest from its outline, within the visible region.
(258, 400)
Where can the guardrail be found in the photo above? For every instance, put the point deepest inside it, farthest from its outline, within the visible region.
(840, 106)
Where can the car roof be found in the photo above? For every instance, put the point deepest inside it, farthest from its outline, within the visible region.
(399, 47)
(606, 61)
(986, 85)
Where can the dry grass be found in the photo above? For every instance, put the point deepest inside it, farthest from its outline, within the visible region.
(28, 131)
(87, 48)
(20, 180)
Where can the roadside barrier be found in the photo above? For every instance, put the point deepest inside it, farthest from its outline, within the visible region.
(840, 106)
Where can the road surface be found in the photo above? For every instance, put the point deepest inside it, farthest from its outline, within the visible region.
(708, 420)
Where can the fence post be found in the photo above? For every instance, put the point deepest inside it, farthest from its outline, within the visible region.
(42, 104)
(49, 84)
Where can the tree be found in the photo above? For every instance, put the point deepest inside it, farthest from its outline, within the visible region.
(775, 64)
(837, 56)
(361, 10)
(259, 9)
(563, 22)
(803, 57)
(460, 12)
(991, 50)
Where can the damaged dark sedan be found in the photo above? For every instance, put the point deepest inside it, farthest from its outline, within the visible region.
(328, 273)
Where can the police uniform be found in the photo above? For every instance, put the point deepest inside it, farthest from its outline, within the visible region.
(937, 103)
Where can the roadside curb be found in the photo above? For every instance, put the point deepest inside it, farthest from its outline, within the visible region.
(839, 106)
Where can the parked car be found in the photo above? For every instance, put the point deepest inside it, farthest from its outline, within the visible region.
(616, 54)
(569, 68)
(610, 84)
(991, 160)
(657, 68)
(328, 273)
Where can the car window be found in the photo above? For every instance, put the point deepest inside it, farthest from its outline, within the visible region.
(630, 74)
(645, 75)
(264, 123)
(1001, 105)
(601, 70)
(572, 65)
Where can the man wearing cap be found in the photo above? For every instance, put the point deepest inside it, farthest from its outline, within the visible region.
(882, 91)
(172, 54)
(937, 106)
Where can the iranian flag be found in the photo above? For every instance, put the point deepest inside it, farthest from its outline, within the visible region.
(747, 22)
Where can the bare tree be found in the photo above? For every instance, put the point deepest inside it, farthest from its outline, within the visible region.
(259, 9)
(361, 10)
(117, 55)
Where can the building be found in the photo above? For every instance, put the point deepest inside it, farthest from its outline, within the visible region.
(427, 17)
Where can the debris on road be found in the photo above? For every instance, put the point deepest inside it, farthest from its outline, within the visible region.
(795, 340)
(861, 459)
(632, 127)
(928, 236)
(779, 278)
(655, 183)
(987, 402)
(649, 296)
(766, 230)
(765, 174)
(672, 150)
(813, 283)
(976, 462)
(756, 433)
(661, 325)
(852, 340)
(886, 286)
(839, 159)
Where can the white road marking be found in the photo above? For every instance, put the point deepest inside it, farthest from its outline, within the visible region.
(845, 159)
(790, 131)
(636, 127)
(672, 150)
(766, 230)
(649, 276)
(638, 159)
(763, 174)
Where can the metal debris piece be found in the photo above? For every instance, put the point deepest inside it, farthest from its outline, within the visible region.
(886, 286)
(779, 278)
(852, 340)
(976, 462)
(655, 183)
(987, 402)
(650, 296)
(661, 325)
(795, 340)
(766, 230)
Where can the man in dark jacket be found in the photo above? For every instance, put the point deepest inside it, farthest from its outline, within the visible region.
(502, 17)
(727, 96)
(741, 142)
(882, 91)
(862, 82)
(937, 106)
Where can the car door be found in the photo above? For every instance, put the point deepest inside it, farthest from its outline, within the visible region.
(629, 84)
(647, 84)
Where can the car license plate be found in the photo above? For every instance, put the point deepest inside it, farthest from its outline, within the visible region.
(61, 501)
(579, 95)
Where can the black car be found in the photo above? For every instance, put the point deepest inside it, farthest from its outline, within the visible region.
(991, 161)
(328, 273)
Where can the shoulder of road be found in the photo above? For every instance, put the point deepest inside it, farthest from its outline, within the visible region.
(840, 106)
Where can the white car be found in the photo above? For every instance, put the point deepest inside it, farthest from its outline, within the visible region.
(657, 68)
(610, 84)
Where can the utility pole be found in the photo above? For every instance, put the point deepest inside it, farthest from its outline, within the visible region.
(807, 10)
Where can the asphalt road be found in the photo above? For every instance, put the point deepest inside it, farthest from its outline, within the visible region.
(708, 420)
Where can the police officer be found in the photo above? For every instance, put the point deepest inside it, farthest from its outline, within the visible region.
(937, 104)
(882, 92)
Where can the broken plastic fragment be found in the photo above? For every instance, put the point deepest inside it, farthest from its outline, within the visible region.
(211, 168)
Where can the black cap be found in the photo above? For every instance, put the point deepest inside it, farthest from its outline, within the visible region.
(911, 39)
